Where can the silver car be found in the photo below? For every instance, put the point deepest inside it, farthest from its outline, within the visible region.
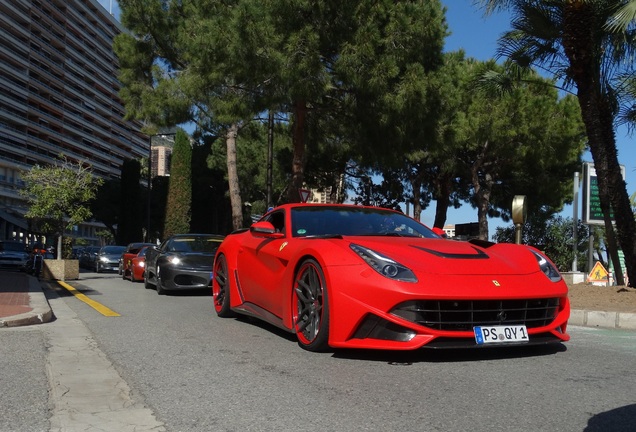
(107, 258)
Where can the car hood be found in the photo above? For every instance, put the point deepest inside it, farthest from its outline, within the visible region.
(439, 256)
(110, 256)
(12, 254)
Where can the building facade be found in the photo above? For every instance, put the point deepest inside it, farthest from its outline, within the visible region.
(162, 146)
(59, 95)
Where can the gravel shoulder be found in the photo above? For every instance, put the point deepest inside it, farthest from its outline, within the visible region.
(602, 298)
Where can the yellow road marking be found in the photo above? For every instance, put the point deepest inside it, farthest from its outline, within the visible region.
(92, 303)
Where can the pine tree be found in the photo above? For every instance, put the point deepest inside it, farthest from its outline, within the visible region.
(179, 205)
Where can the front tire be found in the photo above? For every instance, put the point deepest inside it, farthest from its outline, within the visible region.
(311, 307)
(159, 286)
(147, 284)
(221, 288)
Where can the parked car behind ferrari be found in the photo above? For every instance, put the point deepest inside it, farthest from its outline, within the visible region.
(183, 261)
(126, 261)
(88, 256)
(135, 264)
(107, 258)
(13, 255)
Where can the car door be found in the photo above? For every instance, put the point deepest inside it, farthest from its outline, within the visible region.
(261, 263)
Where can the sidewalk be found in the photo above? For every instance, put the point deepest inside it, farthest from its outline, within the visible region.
(22, 302)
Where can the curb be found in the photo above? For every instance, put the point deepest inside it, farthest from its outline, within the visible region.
(618, 320)
(41, 309)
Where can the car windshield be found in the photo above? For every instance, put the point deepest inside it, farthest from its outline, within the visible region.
(194, 244)
(354, 221)
(12, 247)
(113, 250)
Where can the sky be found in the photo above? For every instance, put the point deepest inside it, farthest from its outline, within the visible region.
(477, 36)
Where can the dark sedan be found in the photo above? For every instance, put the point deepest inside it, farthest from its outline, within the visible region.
(181, 262)
(13, 254)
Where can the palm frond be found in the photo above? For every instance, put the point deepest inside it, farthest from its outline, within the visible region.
(623, 18)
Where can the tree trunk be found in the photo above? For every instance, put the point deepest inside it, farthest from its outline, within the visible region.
(443, 201)
(298, 142)
(482, 199)
(482, 190)
(416, 184)
(60, 242)
(232, 178)
(580, 48)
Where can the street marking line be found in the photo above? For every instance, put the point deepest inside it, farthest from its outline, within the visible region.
(92, 303)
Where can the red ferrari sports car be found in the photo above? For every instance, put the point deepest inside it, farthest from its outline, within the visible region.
(135, 264)
(345, 276)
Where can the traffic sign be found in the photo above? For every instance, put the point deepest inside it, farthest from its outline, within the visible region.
(598, 275)
(304, 195)
(592, 213)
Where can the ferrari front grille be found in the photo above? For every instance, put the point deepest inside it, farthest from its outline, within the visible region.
(463, 315)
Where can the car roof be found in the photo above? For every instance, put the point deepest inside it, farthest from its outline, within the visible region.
(331, 206)
(214, 236)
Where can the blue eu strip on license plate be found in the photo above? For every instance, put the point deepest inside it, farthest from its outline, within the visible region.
(500, 334)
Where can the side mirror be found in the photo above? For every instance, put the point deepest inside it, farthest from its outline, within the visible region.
(265, 229)
(440, 232)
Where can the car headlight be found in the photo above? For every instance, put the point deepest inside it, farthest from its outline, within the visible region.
(547, 268)
(384, 265)
(103, 259)
(174, 260)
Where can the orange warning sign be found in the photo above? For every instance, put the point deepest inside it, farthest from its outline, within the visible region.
(598, 274)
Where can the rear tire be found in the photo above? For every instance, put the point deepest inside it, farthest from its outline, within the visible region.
(310, 305)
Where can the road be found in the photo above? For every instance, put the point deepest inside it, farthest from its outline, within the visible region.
(185, 370)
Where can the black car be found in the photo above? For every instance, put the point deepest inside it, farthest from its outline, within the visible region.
(87, 258)
(183, 261)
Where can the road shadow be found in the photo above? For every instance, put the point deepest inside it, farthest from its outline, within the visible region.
(429, 355)
(423, 355)
(53, 286)
(621, 419)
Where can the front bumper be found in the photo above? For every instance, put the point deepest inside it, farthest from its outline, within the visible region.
(368, 310)
(14, 265)
(108, 266)
(174, 278)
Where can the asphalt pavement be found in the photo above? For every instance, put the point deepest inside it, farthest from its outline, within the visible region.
(22, 302)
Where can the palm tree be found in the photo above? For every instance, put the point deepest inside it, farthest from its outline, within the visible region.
(623, 17)
(572, 40)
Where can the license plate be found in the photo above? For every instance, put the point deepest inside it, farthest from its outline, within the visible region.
(500, 334)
